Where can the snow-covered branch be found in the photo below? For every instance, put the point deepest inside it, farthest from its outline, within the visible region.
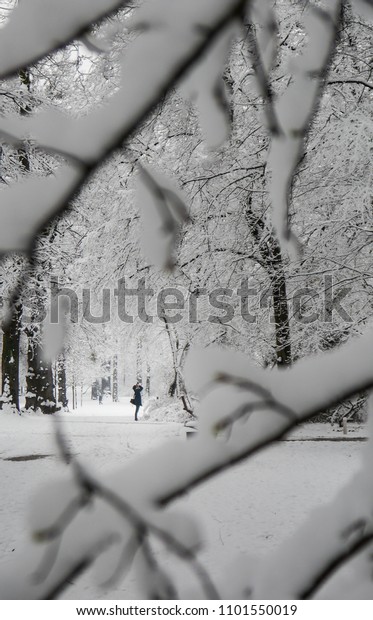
(332, 535)
(163, 212)
(37, 28)
(295, 109)
(262, 47)
(43, 197)
(149, 72)
(351, 81)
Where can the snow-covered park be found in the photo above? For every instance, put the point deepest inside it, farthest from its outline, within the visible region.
(186, 225)
(251, 508)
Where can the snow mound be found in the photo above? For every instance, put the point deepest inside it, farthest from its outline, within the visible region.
(165, 410)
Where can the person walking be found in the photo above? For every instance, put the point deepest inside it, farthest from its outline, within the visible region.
(137, 397)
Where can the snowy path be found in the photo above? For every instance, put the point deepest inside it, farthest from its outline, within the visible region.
(251, 508)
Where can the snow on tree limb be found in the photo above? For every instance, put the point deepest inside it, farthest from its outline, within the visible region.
(263, 15)
(262, 46)
(206, 87)
(26, 207)
(36, 28)
(364, 8)
(308, 387)
(149, 72)
(294, 112)
(351, 80)
(163, 212)
(332, 535)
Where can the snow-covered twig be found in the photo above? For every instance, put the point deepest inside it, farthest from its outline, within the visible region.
(267, 398)
(262, 55)
(341, 558)
(332, 536)
(77, 568)
(351, 81)
(163, 212)
(91, 487)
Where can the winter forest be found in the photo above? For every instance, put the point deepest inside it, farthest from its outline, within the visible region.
(186, 201)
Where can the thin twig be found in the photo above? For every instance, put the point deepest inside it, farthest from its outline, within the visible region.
(336, 562)
(78, 568)
(197, 478)
(351, 81)
(273, 124)
(251, 386)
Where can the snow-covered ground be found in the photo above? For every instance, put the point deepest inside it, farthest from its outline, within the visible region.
(251, 508)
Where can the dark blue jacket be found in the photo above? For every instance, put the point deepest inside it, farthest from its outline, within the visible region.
(137, 395)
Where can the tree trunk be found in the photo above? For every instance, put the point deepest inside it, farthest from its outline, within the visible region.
(10, 358)
(46, 400)
(139, 359)
(184, 352)
(147, 383)
(95, 390)
(270, 252)
(32, 371)
(61, 381)
(74, 393)
(39, 377)
(281, 316)
(172, 390)
(115, 379)
(177, 386)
